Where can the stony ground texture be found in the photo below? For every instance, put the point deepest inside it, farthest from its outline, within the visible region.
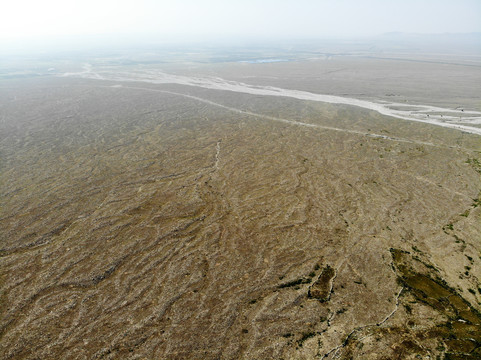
(144, 224)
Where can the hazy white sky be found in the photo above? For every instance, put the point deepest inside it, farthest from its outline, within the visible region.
(169, 19)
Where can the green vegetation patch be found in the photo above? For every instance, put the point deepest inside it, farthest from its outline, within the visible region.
(475, 164)
(461, 334)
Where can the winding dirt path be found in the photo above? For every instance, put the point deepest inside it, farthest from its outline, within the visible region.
(286, 121)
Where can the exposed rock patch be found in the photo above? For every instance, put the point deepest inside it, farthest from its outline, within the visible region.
(322, 287)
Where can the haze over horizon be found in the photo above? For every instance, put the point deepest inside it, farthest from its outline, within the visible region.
(30, 21)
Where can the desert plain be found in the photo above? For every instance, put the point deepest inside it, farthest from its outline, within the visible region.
(144, 218)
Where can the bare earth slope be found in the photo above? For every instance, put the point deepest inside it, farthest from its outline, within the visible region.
(140, 223)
